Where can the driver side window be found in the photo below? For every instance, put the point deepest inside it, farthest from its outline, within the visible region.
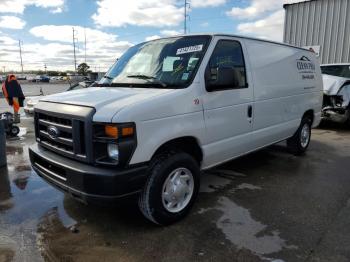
(227, 59)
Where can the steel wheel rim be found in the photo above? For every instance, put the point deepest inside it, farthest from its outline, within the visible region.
(305, 135)
(177, 190)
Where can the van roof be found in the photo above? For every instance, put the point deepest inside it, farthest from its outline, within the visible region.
(240, 36)
(337, 64)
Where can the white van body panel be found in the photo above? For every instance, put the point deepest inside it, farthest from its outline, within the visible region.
(106, 101)
(282, 92)
(228, 128)
(167, 117)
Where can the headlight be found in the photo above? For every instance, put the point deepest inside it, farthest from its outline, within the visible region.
(113, 151)
(114, 144)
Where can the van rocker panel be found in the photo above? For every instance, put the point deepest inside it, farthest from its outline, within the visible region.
(86, 182)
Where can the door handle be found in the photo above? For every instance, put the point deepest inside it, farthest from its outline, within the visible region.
(250, 111)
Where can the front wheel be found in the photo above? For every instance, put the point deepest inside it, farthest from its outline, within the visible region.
(300, 141)
(171, 188)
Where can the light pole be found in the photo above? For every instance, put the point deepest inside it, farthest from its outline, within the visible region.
(20, 53)
(75, 58)
(185, 15)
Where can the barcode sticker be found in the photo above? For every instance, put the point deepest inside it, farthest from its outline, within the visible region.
(189, 49)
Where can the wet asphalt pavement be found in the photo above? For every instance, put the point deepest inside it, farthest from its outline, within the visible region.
(266, 206)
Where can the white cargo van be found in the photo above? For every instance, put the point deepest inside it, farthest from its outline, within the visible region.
(170, 108)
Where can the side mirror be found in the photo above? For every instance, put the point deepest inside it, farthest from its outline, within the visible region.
(221, 78)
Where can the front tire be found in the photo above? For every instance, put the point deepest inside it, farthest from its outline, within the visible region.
(171, 188)
(300, 141)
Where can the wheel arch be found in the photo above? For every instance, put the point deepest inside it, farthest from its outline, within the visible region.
(310, 114)
(188, 144)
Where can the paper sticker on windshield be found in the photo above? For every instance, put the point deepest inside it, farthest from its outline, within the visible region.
(184, 76)
(189, 49)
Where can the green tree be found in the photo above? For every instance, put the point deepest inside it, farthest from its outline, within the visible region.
(83, 69)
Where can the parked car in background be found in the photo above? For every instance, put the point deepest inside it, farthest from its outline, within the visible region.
(170, 108)
(336, 92)
(41, 78)
(32, 101)
(21, 77)
(77, 78)
(62, 78)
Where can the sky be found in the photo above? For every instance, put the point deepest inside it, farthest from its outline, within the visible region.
(44, 27)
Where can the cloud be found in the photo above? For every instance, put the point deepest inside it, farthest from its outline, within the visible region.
(5, 40)
(164, 33)
(99, 44)
(207, 3)
(170, 32)
(154, 13)
(56, 56)
(57, 10)
(63, 33)
(18, 6)
(270, 27)
(102, 49)
(11, 22)
(152, 37)
(257, 8)
(268, 15)
(34, 55)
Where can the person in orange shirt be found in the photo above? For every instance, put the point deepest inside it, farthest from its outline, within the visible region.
(13, 93)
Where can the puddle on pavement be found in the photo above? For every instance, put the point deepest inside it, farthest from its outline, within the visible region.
(211, 183)
(242, 230)
(24, 199)
(215, 179)
(236, 222)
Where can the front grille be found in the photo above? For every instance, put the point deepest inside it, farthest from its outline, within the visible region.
(61, 134)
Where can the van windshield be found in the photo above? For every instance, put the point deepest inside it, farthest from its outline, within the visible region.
(162, 63)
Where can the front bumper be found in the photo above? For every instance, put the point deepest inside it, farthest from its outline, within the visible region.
(85, 182)
(336, 114)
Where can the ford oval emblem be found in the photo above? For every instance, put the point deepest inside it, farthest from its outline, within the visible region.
(53, 132)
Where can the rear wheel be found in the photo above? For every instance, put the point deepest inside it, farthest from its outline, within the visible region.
(171, 188)
(300, 141)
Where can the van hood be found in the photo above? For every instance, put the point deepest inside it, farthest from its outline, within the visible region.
(332, 84)
(106, 100)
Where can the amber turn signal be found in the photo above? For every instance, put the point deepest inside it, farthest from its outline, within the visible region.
(127, 131)
(111, 131)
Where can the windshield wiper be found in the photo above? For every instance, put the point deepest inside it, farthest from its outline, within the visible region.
(146, 77)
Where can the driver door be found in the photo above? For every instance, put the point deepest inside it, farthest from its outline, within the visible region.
(228, 111)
